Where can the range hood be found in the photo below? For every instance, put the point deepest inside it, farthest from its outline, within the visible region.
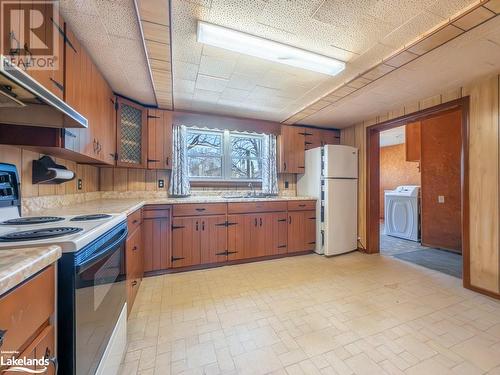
(24, 101)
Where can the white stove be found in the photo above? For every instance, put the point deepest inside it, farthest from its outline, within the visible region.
(71, 233)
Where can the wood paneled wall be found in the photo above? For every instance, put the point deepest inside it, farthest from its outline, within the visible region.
(23, 158)
(133, 179)
(484, 139)
(396, 171)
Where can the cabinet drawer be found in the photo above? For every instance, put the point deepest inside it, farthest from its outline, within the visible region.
(194, 209)
(250, 207)
(134, 221)
(156, 213)
(301, 205)
(26, 308)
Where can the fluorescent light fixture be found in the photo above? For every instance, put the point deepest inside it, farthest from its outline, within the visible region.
(252, 45)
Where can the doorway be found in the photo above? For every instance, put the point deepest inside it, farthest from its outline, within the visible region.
(426, 157)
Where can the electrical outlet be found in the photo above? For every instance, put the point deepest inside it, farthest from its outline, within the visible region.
(161, 184)
(80, 184)
(440, 198)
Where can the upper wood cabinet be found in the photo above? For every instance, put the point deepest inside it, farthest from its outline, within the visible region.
(131, 134)
(291, 149)
(320, 137)
(413, 141)
(159, 139)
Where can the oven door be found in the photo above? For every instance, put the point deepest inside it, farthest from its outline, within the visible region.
(100, 295)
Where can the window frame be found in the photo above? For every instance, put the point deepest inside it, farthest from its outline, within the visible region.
(226, 166)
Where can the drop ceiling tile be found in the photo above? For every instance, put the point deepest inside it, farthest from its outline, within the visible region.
(156, 11)
(493, 5)
(234, 94)
(120, 20)
(158, 51)
(264, 92)
(121, 44)
(184, 70)
(449, 8)
(209, 83)
(435, 40)
(216, 67)
(400, 59)
(241, 82)
(206, 96)
(80, 6)
(155, 32)
(474, 18)
(359, 82)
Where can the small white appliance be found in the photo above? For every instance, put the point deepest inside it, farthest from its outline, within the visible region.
(402, 212)
(331, 176)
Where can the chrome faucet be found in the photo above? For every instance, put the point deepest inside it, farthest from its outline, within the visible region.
(252, 188)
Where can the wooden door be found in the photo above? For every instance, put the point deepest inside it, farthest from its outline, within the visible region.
(238, 235)
(213, 239)
(131, 134)
(413, 141)
(296, 231)
(292, 149)
(156, 239)
(186, 241)
(159, 139)
(441, 194)
(279, 233)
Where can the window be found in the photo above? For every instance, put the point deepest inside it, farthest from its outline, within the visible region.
(216, 155)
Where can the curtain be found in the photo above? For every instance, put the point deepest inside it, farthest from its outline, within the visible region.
(269, 168)
(179, 177)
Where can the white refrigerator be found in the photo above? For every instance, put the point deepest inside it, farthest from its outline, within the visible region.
(331, 176)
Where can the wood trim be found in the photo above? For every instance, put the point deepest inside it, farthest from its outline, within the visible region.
(373, 175)
(227, 263)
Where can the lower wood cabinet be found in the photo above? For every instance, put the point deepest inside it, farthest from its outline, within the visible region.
(301, 231)
(26, 317)
(156, 231)
(134, 257)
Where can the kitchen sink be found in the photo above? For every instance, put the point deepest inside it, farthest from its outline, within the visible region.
(249, 196)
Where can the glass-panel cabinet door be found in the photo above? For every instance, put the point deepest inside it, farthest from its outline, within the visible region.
(131, 134)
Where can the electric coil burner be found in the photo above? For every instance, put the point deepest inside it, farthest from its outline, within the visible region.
(91, 217)
(38, 234)
(32, 220)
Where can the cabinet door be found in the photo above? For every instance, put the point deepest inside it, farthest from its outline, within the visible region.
(309, 230)
(213, 239)
(159, 139)
(279, 233)
(313, 138)
(45, 348)
(131, 134)
(295, 234)
(330, 137)
(238, 235)
(186, 241)
(292, 153)
(156, 240)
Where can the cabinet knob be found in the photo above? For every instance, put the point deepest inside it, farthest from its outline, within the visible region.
(289, 220)
(135, 248)
(134, 283)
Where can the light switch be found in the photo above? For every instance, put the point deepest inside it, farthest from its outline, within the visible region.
(440, 198)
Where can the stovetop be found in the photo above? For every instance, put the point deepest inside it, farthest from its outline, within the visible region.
(70, 232)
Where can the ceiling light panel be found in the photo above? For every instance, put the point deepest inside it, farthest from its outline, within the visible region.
(248, 44)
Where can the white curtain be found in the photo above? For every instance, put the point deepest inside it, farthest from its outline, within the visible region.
(269, 167)
(179, 178)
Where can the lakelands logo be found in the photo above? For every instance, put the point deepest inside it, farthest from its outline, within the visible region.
(30, 34)
(25, 365)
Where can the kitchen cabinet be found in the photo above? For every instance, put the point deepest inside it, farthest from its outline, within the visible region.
(156, 232)
(291, 144)
(131, 134)
(301, 231)
(186, 241)
(213, 239)
(320, 137)
(134, 257)
(159, 139)
(26, 319)
(413, 141)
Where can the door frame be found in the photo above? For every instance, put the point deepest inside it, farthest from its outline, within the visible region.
(373, 175)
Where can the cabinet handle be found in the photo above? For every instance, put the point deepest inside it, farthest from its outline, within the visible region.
(289, 220)
(260, 220)
(284, 165)
(202, 225)
(135, 221)
(197, 226)
(134, 283)
(52, 360)
(153, 160)
(281, 220)
(57, 84)
(135, 248)
(3, 332)
(302, 205)
(168, 160)
(176, 258)
(255, 222)
(200, 209)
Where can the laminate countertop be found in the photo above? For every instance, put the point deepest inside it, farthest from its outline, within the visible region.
(129, 205)
(18, 265)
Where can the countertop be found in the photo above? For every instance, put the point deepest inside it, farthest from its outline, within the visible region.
(17, 265)
(127, 205)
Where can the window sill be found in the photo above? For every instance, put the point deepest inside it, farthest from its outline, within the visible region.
(225, 184)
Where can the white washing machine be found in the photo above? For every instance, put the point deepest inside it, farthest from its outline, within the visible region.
(402, 212)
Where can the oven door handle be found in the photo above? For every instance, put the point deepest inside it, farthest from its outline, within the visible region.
(102, 253)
